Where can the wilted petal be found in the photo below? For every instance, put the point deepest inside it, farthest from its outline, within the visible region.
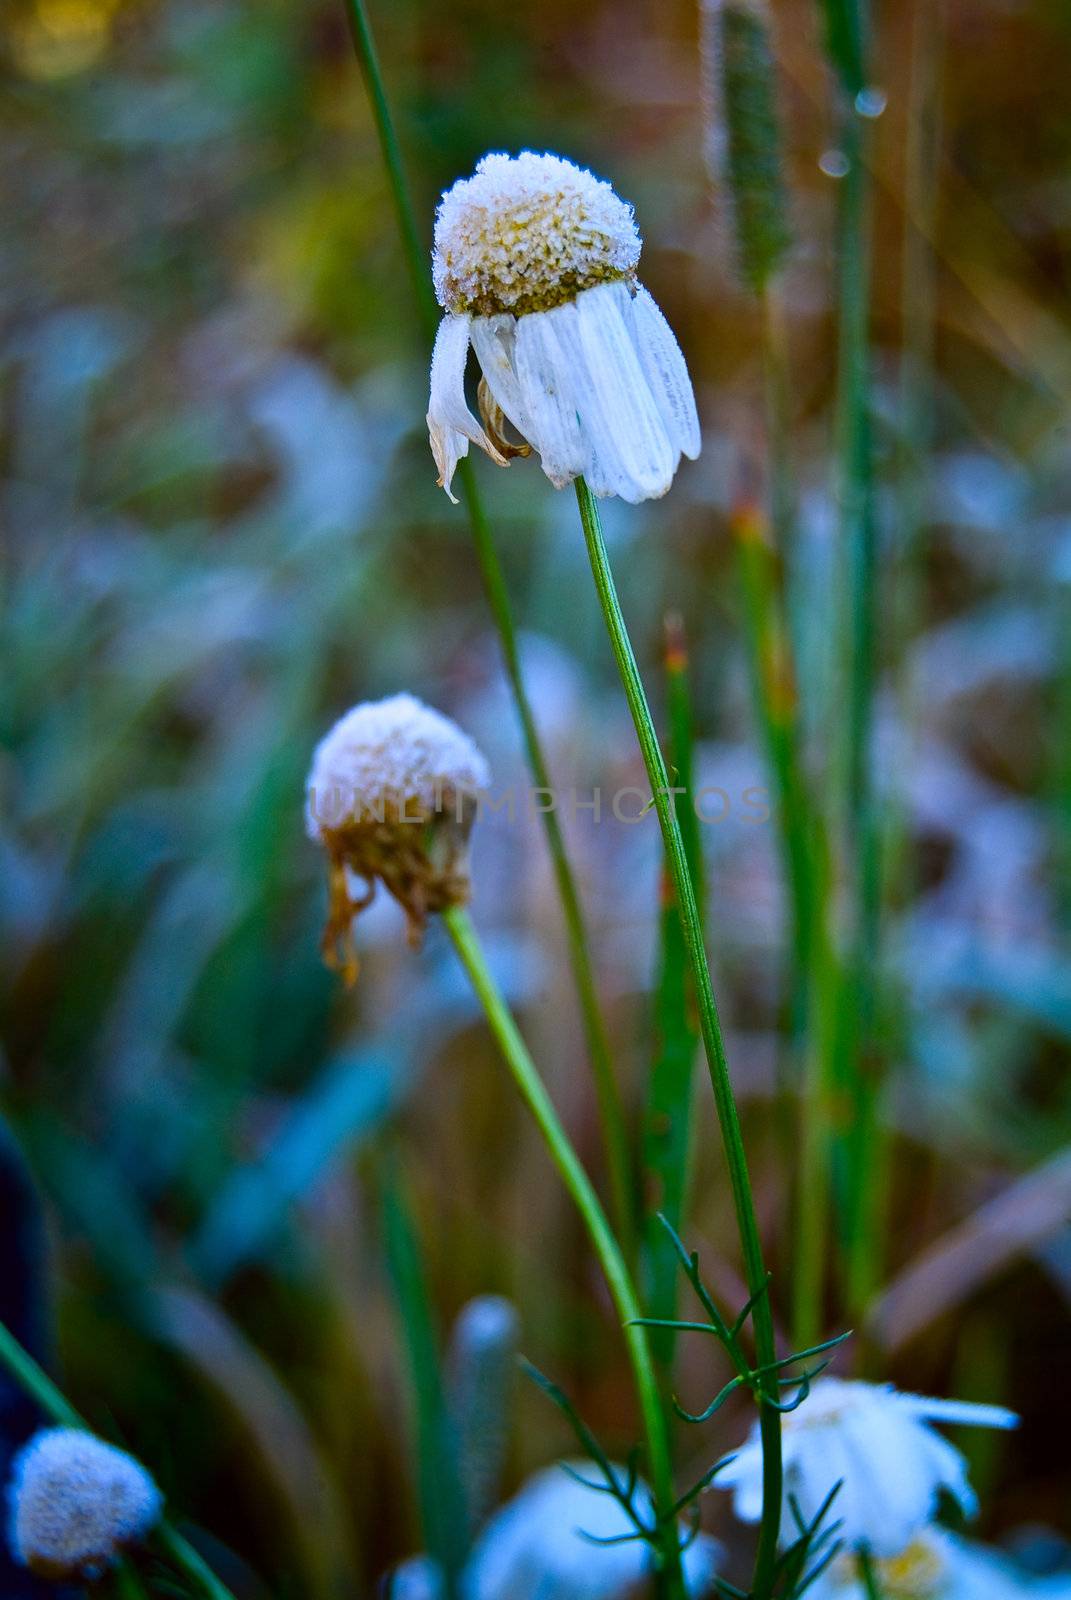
(494, 340)
(548, 397)
(616, 407)
(666, 372)
(450, 422)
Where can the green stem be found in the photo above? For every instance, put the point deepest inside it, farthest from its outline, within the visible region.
(777, 377)
(775, 696)
(859, 535)
(868, 1575)
(533, 1091)
(710, 1026)
(607, 1089)
(39, 1386)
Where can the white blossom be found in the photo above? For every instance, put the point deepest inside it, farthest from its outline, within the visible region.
(878, 1443)
(76, 1503)
(535, 266)
(535, 1547)
(939, 1566)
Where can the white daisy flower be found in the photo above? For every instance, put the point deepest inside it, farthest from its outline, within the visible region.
(939, 1566)
(535, 1547)
(878, 1443)
(392, 796)
(77, 1503)
(535, 266)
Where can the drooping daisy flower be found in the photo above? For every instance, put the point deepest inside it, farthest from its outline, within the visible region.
(539, 1547)
(76, 1504)
(878, 1443)
(939, 1566)
(535, 265)
(392, 796)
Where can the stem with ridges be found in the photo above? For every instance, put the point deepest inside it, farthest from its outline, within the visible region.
(611, 1107)
(534, 1093)
(710, 1024)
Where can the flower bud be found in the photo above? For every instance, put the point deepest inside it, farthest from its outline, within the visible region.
(76, 1504)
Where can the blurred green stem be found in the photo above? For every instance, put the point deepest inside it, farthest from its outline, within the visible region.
(533, 1091)
(710, 1026)
(861, 1070)
(443, 1511)
(39, 1386)
(777, 377)
(918, 322)
(868, 1575)
(608, 1092)
(667, 1131)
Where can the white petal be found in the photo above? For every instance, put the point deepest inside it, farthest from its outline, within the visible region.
(548, 395)
(948, 1470)
(742, 1473)
(889, 1466)
(494, 340)
(967, 1411)
(666, 372)
(450, 422)
(617, 410)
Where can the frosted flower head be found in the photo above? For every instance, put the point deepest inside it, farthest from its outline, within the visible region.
(534, 265)
(76, 1503)
(879, 1444)
(535, 1547)
(392, 796)
(526, 233)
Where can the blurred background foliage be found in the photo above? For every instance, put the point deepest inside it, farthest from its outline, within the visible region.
(222, 529)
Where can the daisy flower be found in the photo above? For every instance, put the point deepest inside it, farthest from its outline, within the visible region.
(535, 267)
(939, 1566)
(878, 1443)
(539, 1546)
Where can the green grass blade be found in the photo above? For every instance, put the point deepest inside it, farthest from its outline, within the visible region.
(442, 1502)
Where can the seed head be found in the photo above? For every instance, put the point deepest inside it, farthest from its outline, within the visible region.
(743, 138)
(529, 232)
(392, 797)
(77, 1503)
(483, 1359)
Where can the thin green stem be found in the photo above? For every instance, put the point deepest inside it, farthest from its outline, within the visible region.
(597, 1041)
(861, 1068)
(416, 255)
(667, 1130)
(918, 323)
(775, 696)
(868, 1575)
(777, 378)
(39, 1386)
(710, 1026)
(533, 1091)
